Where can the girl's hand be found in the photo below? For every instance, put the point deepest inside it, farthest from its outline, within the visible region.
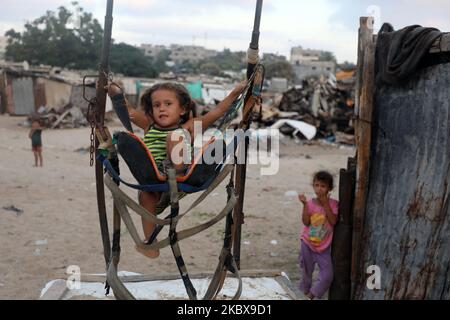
(239, 88)
(303, 199)
(324, 200)
(113, 89)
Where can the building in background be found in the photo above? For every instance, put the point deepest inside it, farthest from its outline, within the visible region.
(179, 53)
(151, 50)
(309, 63)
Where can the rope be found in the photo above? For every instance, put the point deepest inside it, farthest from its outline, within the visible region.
(253, 56)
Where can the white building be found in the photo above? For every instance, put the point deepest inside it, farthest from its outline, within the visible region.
(299, 55)
(181, 53)
(308, 69)
(152, 50)
(306, 63)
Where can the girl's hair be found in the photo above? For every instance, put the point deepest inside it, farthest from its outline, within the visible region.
(324, 176)
(180, 91)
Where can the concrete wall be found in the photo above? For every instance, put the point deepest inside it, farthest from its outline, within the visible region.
(57, 94)
(308, 69)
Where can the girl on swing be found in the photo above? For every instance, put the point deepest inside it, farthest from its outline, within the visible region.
(167, 108)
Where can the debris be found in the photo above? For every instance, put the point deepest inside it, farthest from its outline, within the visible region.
(274, 242)
(307, 130)
(12, 208)
(41, 242)
(291, 194)
(325, 104)
(68, 117)
(83, 151)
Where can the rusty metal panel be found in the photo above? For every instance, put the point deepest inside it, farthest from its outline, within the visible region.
(23, 96)
(407, 226)
(9, 100)
(39, 95)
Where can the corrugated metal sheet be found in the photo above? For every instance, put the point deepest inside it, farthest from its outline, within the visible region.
(407, 226)
(23, 96)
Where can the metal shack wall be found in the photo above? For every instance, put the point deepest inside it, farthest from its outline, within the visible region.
(407, 225)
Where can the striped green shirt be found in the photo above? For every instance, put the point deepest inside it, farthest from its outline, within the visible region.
(156, 141)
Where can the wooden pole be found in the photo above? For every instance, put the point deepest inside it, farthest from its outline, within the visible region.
(363, 130)
(342, 238)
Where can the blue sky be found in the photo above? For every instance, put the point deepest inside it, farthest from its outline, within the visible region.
(217, 24)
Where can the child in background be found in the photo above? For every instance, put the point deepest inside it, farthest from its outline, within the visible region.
(36, 141)
(320, 215)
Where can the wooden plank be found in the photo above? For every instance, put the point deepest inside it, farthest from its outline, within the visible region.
(61, 118)
(56, 292)
(366, 65)
(363, 38)
(342, 238)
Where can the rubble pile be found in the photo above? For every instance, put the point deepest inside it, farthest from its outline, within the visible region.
(318, 102)
(68, 117)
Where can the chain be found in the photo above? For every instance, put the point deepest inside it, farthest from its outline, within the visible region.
(91, 118)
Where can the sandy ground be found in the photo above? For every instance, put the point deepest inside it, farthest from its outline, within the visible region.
(59, 224)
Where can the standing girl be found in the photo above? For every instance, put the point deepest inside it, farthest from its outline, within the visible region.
(319, 217)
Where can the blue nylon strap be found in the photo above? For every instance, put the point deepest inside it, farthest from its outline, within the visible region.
(164, 187)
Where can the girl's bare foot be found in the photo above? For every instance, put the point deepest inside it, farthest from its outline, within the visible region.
(310, 296)
(152, 254)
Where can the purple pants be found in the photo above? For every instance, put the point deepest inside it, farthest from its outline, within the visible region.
(308, 260)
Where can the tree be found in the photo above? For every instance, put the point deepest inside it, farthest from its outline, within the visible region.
(327, 56)
(280, 69)
(131, 61)
(227, 60)
(49, 40)
(210, 68)
(58, 39)
(159, 63)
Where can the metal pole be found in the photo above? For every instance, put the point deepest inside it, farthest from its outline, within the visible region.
(241, 171)
(254, 44)
(100, 119)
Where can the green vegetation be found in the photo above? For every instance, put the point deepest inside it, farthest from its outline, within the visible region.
(52, 40)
